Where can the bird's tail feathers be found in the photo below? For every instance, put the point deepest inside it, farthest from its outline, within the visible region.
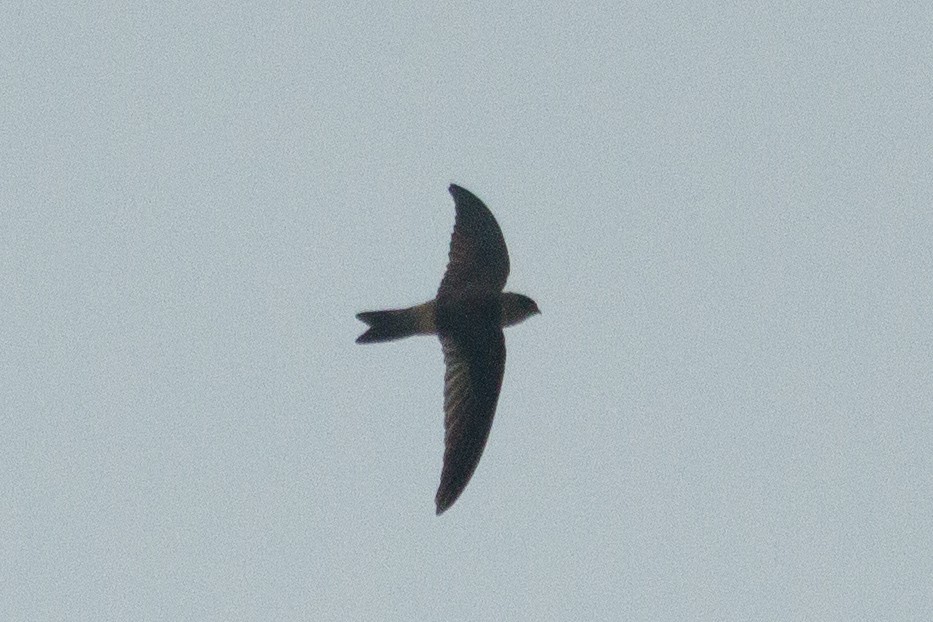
(388, 325)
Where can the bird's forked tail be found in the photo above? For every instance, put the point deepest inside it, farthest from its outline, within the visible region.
(397, 323)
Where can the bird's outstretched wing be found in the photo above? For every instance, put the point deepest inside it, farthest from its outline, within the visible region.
(474, 355)
(479, 260)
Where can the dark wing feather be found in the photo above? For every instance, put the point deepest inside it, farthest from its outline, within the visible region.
(479, 260)
(475, 362)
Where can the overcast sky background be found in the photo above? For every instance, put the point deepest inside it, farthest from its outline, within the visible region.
(724, 411)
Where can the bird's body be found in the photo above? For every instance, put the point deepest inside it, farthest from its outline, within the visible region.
(423, 319)
(467, 315)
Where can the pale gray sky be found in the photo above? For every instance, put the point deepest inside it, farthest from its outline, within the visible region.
(725, 411)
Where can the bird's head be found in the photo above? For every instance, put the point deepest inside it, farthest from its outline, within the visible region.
(517, 308)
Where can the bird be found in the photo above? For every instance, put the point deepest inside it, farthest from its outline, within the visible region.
(467, 315)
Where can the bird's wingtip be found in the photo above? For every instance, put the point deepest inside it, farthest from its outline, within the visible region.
(442, 502)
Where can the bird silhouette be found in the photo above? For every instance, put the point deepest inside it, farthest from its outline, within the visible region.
(468, 315)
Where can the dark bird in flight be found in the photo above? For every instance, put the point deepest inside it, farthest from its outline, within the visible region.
(468, 316)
